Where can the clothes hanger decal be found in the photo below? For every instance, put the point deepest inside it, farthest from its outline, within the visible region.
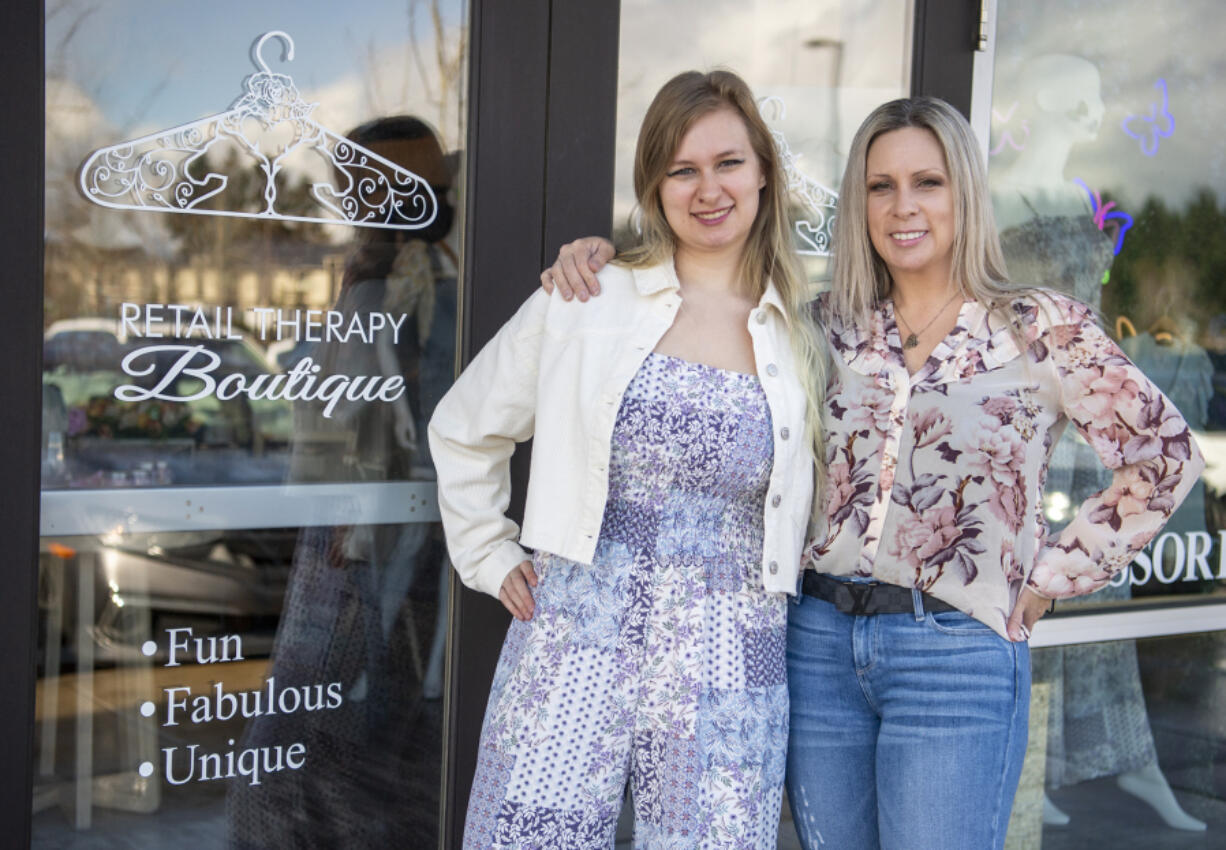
(169, 171)
(820, 204)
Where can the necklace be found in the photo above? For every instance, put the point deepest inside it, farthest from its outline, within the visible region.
(912, 339)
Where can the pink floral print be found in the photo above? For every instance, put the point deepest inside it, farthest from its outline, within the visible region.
(935, 478)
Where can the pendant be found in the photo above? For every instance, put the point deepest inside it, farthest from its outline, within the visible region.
(910, 342)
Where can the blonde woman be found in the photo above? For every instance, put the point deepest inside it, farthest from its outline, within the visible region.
(908, 666)
(671, 484)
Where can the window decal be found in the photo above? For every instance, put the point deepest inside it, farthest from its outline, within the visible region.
(172, 171)
(818, 204)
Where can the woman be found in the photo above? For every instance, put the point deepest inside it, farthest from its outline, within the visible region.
(667, 510)
(907, 663)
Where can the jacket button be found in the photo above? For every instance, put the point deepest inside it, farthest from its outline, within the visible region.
(776, 500)
(772, 369)
(784, 433)
(774, 567)
(761, 317)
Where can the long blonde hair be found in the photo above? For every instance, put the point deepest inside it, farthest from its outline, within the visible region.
(860, 278)
(768, 254)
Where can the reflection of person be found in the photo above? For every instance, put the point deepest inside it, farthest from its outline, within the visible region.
(670, 487)
(346, 616)
(908, 672)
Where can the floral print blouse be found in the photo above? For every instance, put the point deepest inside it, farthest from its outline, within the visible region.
(935, 480)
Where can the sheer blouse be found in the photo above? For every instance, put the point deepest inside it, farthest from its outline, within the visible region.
(935, 480)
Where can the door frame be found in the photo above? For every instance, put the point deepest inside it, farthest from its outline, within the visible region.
(541, 174)
(21, 223)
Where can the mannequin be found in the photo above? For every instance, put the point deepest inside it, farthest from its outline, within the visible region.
(1099, 724)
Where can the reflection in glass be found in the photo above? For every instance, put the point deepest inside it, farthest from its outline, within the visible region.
(819, 69)
(207, 675)
(1105, 169)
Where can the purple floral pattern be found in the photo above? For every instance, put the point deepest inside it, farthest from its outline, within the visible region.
(935, 478)
(664, 660)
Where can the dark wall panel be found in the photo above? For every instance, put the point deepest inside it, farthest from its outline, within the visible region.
(502, 249)
(21, 226)
(582, 121)
(541, 118)
(943, 53)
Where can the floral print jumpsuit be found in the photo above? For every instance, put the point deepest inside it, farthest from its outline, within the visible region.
(662, 663)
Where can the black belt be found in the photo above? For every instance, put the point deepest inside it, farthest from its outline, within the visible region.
(867, 597)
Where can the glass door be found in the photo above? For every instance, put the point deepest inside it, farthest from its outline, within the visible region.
(252, 255)
(1108, 174)
(817, 68)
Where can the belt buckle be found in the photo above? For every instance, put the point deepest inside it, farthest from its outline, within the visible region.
(861, 593)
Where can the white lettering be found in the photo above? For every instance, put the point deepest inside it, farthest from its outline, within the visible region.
(288, 323)
(300, 383)
(176, 646)
(313, 324)
(281, 700)
(295, 750)
(250, 768)
(393, 388)
(333, 324)
(199, 323)
(191, 763)
(331, 389)
(153, 313)
(178, 310)
(377, 321)
(356, 327)
(173, 704)
(128, 316)
(231, 764)
(261, 317)
(1199, 544)
(132, 392)
(230, 334)
(231, 386)
(396, 326)
(1160, 561)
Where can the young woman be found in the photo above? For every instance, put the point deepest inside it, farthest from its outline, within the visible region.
(907, 663)
(670, 489)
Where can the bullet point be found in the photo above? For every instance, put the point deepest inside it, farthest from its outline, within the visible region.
(149, 647)
(147, 709)
(146, 769)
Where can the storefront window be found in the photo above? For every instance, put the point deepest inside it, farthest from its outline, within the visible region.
(817, 68)
(1109, 183)
(252, 255)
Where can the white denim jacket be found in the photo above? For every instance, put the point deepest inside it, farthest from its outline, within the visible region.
(556, 372)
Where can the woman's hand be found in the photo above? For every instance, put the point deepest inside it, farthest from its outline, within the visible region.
(574, 271)
(1026, 612)
(516, 592)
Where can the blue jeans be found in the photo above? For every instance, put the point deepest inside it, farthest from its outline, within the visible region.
(907, 730)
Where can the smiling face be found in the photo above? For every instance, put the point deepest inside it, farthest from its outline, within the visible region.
(711, 187)
(911, 215)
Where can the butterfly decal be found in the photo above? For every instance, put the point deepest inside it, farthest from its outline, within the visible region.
(1006, 135)
(1150, 129)
(1105, 216)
